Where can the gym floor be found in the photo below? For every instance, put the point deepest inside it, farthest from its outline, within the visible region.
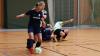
(79, 42)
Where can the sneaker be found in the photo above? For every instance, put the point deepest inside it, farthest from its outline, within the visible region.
(31, 50)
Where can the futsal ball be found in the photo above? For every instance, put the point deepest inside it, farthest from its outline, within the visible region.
(38, 50)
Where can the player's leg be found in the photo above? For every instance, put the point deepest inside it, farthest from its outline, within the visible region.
(64, 33)
(38, 36)
(57, 33)
(30, 40)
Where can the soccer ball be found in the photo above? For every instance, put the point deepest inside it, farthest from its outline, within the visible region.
(38, 50)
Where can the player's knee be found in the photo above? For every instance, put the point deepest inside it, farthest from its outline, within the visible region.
(66, 31)
(62, 33)
(31, 35)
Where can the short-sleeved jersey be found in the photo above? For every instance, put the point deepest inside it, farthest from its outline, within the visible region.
(35, 17)
(58, 25)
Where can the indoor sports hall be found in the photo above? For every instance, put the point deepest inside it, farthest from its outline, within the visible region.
(83, 38)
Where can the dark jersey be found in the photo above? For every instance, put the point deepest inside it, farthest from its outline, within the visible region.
(35, 18)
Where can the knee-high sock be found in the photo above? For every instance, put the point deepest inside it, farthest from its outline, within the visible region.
(38, 44)
(30, 43)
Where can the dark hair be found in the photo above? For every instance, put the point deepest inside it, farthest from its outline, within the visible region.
(36, 5)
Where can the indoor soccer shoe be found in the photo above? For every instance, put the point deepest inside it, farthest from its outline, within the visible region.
(31, 50)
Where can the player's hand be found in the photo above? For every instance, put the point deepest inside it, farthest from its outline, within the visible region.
(17, 16)
(43, 24)
(44, 16)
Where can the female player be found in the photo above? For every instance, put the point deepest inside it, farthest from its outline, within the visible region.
(34, 30)
(58, 34)
(46, 32)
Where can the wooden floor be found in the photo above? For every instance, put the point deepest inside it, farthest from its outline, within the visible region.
(79, 42)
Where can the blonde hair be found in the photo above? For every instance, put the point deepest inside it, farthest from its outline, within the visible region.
(40, 3)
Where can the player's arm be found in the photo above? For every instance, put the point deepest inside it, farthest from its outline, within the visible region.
(53, 37)
(43, 23)
(28, 13)
(50, 26)
(68, 21)
(43, 17)
(21, 15)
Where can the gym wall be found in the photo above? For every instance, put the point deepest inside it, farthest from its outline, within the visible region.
(16, 7)
(1, 14)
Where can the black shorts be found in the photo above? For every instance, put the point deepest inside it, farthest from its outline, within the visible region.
(34, 29)
(57, 32)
